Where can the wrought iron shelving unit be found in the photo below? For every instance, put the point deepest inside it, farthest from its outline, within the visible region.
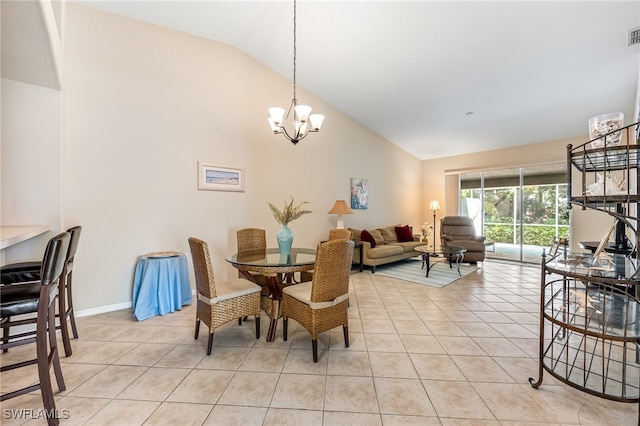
(589, 307)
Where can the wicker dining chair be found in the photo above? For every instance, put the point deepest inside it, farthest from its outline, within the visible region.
(220, 302)
(334, 234)
(321, 304)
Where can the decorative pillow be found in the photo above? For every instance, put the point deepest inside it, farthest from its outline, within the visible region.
(404, 233)
(366, 236)
(389, 234)
(377, 235)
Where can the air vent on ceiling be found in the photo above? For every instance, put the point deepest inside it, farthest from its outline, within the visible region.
(634, 36)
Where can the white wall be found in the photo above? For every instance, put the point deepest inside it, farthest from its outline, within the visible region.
(143, 104)
(31, 163)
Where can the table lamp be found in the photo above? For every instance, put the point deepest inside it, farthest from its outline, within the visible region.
(435, 206)
(340, 208)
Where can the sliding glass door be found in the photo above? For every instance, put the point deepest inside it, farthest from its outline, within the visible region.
(519, 211)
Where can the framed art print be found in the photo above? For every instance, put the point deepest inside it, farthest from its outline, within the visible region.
(359, 193)
(220, 178)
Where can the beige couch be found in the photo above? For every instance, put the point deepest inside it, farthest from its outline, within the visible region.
(387, 247)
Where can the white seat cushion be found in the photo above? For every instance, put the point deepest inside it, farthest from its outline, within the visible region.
(229, 289)
(302, 293)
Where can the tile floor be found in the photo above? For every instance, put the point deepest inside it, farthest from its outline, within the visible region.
(460, 355)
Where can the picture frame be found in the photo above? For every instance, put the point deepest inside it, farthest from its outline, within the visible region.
(359, 193)
(212, 177)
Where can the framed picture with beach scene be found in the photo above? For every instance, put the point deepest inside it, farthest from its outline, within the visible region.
(220, 178)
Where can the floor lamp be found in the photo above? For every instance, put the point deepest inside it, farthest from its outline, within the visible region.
(435, 206)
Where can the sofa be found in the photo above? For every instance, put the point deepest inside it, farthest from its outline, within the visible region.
(384, 245)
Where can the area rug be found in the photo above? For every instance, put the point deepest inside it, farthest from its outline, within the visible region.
(440, 274)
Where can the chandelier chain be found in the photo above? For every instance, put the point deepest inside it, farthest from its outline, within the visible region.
(294, 50)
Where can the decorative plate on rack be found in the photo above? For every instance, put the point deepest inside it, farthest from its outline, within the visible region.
(162, 254)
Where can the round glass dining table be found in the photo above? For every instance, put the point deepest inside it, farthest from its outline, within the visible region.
(277, 269)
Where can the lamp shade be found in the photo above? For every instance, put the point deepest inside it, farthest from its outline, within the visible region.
(340, 207)
(435, 205)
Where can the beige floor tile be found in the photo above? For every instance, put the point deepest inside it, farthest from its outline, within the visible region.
(231, 415)
(422, 344)
(137, 334)
(356, 341)
(342, 363)
(406, 314)
(473, 422)
(156, 384)
(250, 388)
(512, 402)
(374, 313)
(299, 391)
(175, 335)
(402, 396)
(341, 418)
(493, 317)
(145, 354)
(107, 333)
(301, 361)
(431, 315)
(384, 326)
(460, 346)
(499, 347)
(462, 316)
(179, 413)
(264, 359)
(481, 369)
(77, 374)
(383, 343)
(404, 326)
(76, 411)
(109, 382)
(182, 356)
(436, 367)
(444, 328)
(513, 331)
(135, 413)
(148, 371)
(397, 420)
(287, 417)
(201, 386)
(224, 358)
(385, 364)
(107, 353)
(456, 399)
(478, 329)
(352, 394)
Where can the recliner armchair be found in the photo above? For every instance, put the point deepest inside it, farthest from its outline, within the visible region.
(459, 231)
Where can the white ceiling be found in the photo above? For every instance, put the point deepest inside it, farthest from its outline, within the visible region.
(412, 70)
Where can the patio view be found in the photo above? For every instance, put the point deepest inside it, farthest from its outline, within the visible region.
(519, 211)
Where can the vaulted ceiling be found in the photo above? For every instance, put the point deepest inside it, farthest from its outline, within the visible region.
(437, 78)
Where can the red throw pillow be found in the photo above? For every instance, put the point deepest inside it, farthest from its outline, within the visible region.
(404, 233)
(366, 236)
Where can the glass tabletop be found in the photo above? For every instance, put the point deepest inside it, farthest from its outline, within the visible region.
(272, 257)
(440, 250)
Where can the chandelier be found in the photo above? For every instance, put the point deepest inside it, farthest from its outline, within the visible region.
(303, 121)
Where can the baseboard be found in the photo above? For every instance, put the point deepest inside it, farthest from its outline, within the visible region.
(103, 309)
(109, 308)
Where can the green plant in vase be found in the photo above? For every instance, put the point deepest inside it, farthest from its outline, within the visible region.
(289, 213)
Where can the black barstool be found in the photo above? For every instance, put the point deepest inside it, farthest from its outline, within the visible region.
(23, 272)
(37, 297)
